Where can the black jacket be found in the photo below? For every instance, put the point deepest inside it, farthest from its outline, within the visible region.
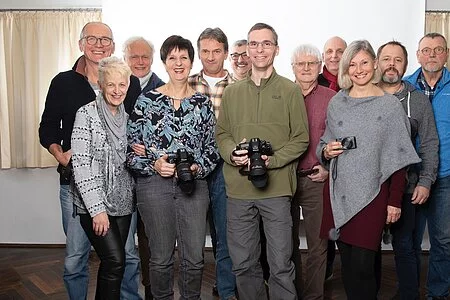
(69, 91)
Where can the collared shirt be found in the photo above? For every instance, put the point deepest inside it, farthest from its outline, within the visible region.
(316, 103)
(198, 83)
(144, 80)
(162, 129)
(425, 87)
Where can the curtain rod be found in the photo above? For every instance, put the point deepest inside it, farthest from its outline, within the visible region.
(437, 11)
(53, 9)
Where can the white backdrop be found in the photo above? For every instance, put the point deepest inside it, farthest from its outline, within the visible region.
(296, 21)
(29, 204)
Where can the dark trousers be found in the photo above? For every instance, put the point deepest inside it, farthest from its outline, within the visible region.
(111, 251)
(331, 254)
(358, 272)
(144, 251)
(407, 252)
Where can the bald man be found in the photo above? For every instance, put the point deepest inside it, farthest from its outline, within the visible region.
(331, 56)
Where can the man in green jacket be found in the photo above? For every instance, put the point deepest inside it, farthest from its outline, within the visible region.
(270, 107)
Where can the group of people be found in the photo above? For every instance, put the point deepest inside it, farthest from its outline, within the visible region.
(354, 148)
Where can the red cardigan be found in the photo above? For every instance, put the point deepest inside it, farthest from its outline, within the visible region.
(365, 229)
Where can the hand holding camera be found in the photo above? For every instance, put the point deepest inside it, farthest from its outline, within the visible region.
(183, 162)
(163, 167)
(257, 159)
(336, 148)
(347, 143)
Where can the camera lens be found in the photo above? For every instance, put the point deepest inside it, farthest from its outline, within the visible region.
(347, 143)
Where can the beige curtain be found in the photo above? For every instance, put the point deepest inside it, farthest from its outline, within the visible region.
(438, 22)
(34, 47)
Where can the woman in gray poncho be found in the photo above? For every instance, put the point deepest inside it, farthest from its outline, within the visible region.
(366, 146)
(104, 187)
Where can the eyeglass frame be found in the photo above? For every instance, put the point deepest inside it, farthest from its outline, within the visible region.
(102, 38)
(303, 64)
(266, 44)
(235, 56)
(429, 50)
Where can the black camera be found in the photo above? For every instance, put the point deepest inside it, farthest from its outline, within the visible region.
(257, 171)
(66, 172)
(347, 143)
(183, 161)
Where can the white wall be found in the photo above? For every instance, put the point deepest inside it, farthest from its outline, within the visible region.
(295, 22)
(44, 4)
(438, 5)
(29, 207)
(29, 203)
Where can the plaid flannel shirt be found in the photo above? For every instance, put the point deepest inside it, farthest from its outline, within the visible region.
(426, 89)
(198, 83)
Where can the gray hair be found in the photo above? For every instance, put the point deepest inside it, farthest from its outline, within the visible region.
(214, 34)
(433, 35)
(112, 64)
(240, 43)
(352, 50)
(133, 39)
(306, 49)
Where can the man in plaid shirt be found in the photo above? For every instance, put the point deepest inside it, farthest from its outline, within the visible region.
(212, 47)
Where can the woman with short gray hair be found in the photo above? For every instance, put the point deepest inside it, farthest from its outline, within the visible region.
(102, 188)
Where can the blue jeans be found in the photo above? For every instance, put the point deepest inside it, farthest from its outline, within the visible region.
(170, 217)
(407, 251)
(129, 289)
(78, 247)
(226, 281)
(76, 274)
(437, 213)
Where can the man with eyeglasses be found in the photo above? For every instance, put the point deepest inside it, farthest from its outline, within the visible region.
(433, 79)
(306, 63)
(392, 59)
(212, 47)
(239, 60)
(138, 54)
(332, 54)
(69, 91)
(270, 107)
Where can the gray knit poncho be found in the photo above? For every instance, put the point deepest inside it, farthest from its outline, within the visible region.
(382, 133)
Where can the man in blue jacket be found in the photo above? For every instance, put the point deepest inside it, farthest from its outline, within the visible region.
(434, 80)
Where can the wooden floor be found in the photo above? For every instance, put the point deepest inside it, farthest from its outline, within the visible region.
(36, 273)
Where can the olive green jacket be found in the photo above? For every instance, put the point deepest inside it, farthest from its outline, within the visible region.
(274, 111)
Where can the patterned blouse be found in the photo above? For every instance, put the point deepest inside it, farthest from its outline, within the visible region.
(100, 183)
(162, 129)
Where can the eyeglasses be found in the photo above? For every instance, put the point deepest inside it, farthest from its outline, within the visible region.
(264, 44)
(92, 40)
(235, 56)
(303, 64)
(427, 51)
